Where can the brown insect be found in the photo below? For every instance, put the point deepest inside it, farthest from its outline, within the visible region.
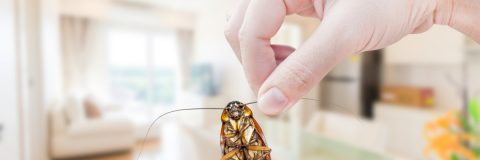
(241, 138)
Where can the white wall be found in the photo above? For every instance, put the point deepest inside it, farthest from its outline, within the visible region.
(438, 45)
(9, 113)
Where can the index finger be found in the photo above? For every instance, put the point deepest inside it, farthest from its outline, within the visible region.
(263, 19)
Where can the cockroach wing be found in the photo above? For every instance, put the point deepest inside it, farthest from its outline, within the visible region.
(230, 142)
(243, 139)
(256, 144)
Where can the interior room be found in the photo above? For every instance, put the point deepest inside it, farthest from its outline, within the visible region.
(85, 79)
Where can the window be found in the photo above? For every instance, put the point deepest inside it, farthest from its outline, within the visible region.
(143, 67)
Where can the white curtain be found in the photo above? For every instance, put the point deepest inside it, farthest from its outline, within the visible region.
(84, 56)
(185, 43)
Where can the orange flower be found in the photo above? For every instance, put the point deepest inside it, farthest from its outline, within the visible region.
(444, 139)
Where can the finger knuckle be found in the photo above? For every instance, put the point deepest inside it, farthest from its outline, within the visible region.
(231, 34)
(299, 75)
(243, 34)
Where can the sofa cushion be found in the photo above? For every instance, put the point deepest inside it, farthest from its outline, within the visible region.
(100, 127)
(74, 110)
(92, 108)
(57, 118)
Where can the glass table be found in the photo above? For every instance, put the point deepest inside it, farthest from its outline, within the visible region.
(317, 147)
(185, 142)
(303, 145)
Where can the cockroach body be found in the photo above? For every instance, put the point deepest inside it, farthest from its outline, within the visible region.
(241, 138)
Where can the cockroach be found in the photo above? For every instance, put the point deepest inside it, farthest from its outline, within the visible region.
(241, 137)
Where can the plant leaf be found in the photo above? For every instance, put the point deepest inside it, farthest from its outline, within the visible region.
(474, 110)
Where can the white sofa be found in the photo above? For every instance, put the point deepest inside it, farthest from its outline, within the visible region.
(74, 135)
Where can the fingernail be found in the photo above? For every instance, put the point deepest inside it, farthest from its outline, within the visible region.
(273, 101)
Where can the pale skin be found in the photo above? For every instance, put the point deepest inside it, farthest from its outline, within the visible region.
(281, 75)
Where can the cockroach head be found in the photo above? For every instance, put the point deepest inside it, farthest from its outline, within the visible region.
(235, 109)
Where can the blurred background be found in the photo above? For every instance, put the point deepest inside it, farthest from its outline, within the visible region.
(83, 79)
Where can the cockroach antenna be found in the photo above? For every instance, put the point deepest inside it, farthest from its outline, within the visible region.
(172, 111)
(331, 104)
(249, 103)
(316, 100)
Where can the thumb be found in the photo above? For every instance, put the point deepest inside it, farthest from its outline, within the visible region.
(304, 68)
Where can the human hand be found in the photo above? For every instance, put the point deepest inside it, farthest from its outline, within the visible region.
(281, 75)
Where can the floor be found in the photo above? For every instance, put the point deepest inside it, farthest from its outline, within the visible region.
(151, 151)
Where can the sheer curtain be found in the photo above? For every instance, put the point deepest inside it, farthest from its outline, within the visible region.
(84, 56)
(185, 43)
